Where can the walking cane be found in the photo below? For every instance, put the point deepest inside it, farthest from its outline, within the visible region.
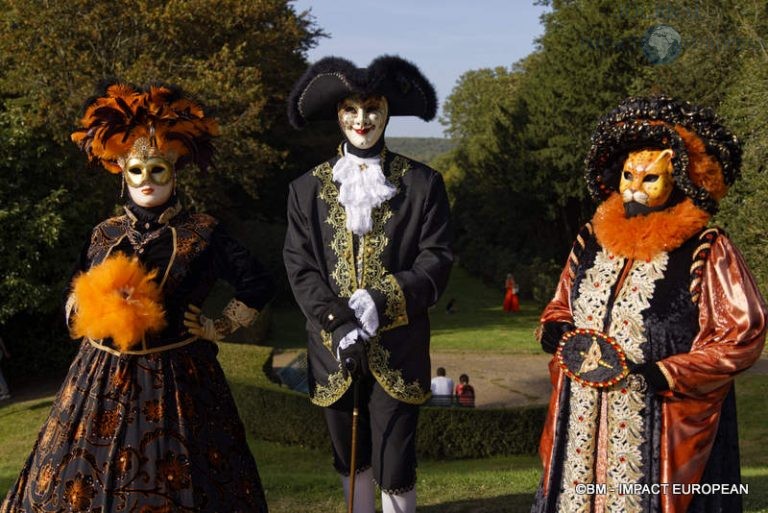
(351, 366)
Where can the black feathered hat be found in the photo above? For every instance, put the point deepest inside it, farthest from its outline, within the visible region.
(707, 156)
(331, 79)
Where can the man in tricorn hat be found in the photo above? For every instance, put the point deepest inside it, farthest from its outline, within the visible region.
(654, 315)
(367, 252)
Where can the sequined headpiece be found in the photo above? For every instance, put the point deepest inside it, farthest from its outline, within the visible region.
(707, 156)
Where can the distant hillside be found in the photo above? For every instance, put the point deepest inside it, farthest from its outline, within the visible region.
(423, 149)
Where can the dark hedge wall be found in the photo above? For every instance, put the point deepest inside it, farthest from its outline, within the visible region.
(281, 415)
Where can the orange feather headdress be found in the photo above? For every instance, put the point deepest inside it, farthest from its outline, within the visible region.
(160, 120)
(117, 299)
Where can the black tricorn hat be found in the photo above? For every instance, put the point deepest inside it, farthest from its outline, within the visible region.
(316, 94)
(707, 156)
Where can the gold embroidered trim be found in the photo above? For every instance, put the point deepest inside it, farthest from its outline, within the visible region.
(392, 380)
(667, 375)
(240, 314)
(327, 339)
(375, 276)
(326, 395)
(395, 310)
(344, 272)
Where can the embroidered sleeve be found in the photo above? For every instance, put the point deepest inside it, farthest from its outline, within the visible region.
(409, 293)
(700, 255)
(311, 290)
(578, 248)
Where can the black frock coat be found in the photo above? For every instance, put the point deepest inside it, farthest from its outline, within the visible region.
(404, 262)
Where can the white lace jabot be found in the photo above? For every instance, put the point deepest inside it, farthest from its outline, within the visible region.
(363, 188)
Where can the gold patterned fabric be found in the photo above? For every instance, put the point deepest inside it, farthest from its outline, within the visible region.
(620, 437)
(143, 433)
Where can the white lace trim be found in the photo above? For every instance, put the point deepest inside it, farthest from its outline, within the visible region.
(625, 407)
(625, 420)
(363, 187)
(589, 310)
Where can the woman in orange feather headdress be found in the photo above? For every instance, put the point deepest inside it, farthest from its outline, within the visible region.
(145, 420)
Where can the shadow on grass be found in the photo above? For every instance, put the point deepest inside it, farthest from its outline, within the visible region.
(32, 407)
(514, 503)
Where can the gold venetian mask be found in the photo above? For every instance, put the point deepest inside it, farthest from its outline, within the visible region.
(647, 177)
(154, 170)
(363, 119)
(145, 165)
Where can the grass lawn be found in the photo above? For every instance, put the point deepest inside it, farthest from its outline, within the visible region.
(299, 480)
(478, 324)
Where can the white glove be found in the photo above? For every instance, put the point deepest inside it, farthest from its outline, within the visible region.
(349, 339)
(365, 312)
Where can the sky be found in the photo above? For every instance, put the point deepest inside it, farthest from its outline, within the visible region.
(444, 38)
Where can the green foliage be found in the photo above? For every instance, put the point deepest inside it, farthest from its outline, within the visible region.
(45, 213)
(515, 178)
(422, 149)
(478, 98)
(743, 213)
(239, 58)
(473, 433)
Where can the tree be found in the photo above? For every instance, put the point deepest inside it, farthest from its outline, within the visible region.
(743, 213)
(516, 177)
(239, 58)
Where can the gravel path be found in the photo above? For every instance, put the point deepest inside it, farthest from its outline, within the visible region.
(503, 380)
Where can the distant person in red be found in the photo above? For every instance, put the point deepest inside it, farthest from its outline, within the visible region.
(511, 301)
(465, 393)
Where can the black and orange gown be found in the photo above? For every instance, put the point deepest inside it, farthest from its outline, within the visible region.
(153, 429)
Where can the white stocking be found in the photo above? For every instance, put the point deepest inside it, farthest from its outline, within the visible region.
(403, 503)
(364, 499)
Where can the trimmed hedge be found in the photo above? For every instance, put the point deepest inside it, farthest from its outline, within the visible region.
(274, 413)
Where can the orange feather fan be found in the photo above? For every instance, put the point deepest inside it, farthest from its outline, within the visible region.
(118, 299)
(174, 123)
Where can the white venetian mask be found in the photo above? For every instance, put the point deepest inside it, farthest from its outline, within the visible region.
(363, 119)
(150, 194)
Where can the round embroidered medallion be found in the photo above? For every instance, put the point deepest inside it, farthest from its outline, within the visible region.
(591, 358)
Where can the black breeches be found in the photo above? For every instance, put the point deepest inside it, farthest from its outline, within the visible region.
(386, 439)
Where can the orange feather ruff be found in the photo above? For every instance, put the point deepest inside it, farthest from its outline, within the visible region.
(642, 237)
(118, 299)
